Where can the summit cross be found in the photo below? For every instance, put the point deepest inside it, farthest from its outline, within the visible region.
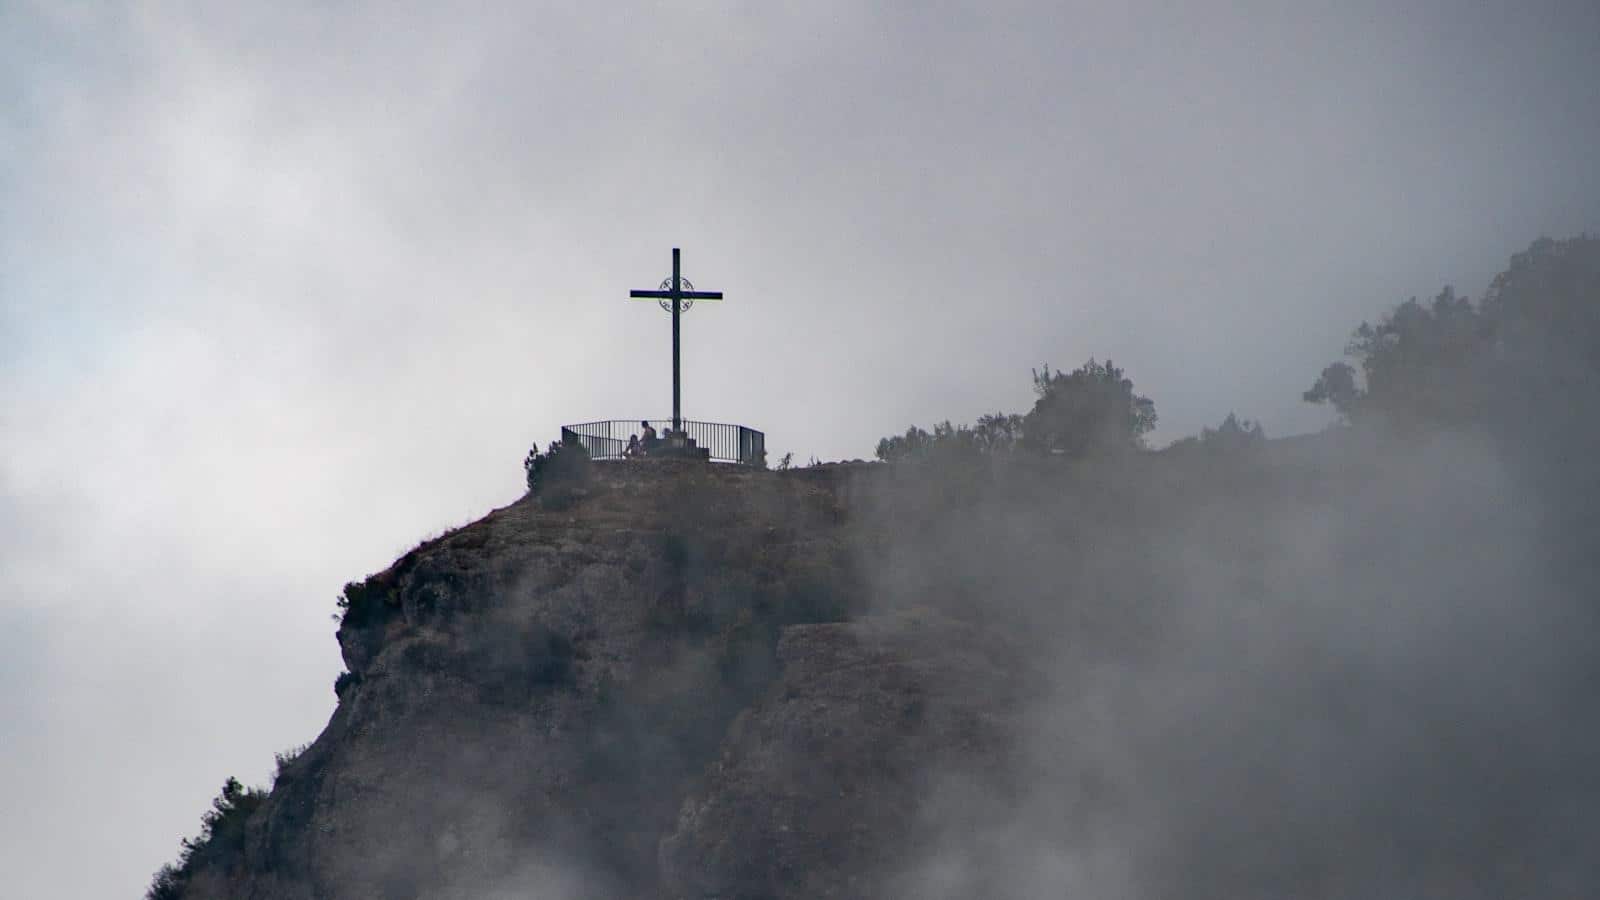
(676, 295)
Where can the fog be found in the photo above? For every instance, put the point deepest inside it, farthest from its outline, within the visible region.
(1357, 673)
(284, 291)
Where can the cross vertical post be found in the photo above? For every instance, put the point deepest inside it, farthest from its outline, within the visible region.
(677, 382)
(680, 293)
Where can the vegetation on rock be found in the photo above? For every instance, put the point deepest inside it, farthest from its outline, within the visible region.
(1090, 411)
(1453, 363)
(220, 844)
(565, 465)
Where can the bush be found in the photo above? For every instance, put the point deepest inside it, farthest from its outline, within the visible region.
(913, 444)
(361, 600)
(993, 435)
(1515, 362)
(1420, 362)
(1234, 435)
(345, 682)
(221, 837)
(565, 463)
(286, 759)
(1089, 411)
(220, 843)
(167, 885)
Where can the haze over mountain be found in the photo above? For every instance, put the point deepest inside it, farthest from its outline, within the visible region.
(1027, 658)
(284, 291)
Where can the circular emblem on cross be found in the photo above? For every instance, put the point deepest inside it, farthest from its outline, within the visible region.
(686, 303)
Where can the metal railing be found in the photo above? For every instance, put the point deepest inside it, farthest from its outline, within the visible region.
(726, 443)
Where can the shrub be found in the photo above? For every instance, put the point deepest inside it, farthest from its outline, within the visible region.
(565, 463)
(286, 759)
(1089, 411)
(220, 842)
(1234, 435)
(167, 884)
(345, 682)
(1421, 362)
(993, 435)
(913, 444)
(361, 600)
(221, 837)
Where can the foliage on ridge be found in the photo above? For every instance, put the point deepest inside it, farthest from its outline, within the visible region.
(1534, 338)
(219, 845)
(1090, 411)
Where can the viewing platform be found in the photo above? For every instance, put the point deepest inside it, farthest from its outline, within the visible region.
(677, 437)
(711, 441)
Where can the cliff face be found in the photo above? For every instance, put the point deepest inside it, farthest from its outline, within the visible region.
(1331, 668)
(818, 788)
(630, 695)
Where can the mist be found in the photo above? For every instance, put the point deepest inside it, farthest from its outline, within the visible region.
(284, 291)
(1353, 667)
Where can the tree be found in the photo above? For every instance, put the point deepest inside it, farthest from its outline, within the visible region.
(946, 442)
(998, 433)
(167, 884)
(1337, 387)
(1520, 356)
(1233, 435)
(911, 445)
(1420, 362)
(222, 826)
(220, 843)
(1545, 308)
(567, 461)
(1089, 411)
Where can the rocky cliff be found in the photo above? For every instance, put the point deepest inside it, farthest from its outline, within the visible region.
(1329, 668)
(647, 688)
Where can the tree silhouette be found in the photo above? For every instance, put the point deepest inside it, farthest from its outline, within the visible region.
(1527, 346)
(1337, 387)
(1089, 411)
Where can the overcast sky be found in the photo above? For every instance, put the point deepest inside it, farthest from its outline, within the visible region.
(284, 291)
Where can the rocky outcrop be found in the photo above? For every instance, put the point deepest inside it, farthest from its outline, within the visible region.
(558, 693)
(818, 789)
(1300, 670)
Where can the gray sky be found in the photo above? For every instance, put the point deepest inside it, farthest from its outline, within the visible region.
(284, 291)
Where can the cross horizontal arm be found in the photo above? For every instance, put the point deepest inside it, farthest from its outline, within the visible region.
(682, 295)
